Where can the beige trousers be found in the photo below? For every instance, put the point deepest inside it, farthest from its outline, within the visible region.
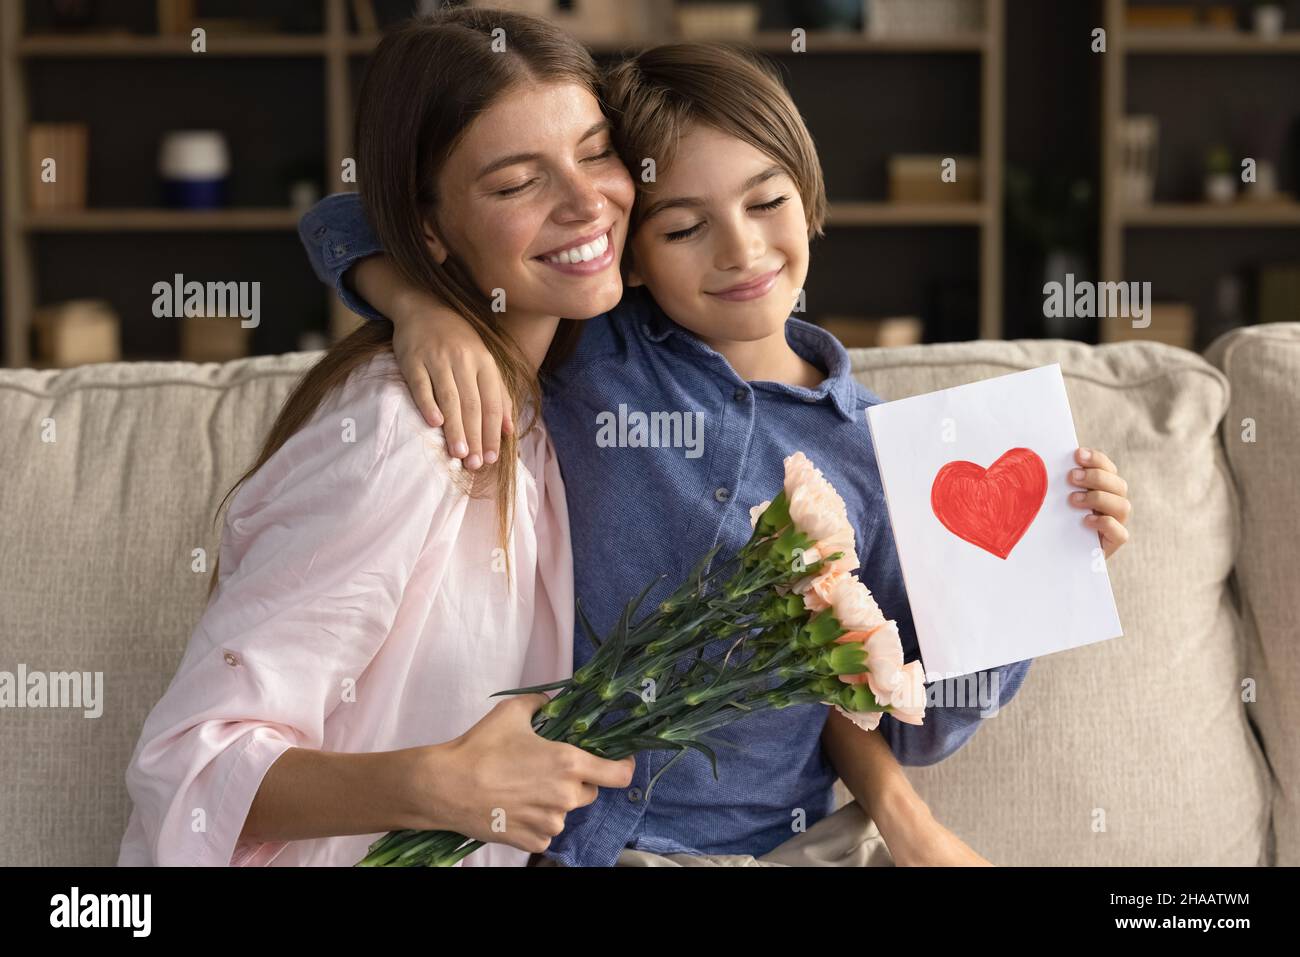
(846, 838)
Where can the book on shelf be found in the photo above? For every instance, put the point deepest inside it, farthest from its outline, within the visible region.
(857, 332)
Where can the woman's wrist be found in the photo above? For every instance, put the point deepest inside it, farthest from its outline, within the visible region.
(421, 780)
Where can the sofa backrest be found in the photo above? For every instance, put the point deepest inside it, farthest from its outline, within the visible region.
(1261, 436)
(108, 483)
(1134, 751)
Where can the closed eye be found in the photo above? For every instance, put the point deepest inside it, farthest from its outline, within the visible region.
(609, 151)
(683, 233)
(767, 207)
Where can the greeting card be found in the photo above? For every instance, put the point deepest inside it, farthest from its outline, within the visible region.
(998, 564)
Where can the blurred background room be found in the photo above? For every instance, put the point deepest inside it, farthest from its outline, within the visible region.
(1094, 139)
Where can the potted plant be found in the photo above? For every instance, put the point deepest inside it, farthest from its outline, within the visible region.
(1220, 177)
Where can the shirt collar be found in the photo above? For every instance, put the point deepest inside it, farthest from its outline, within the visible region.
(811, 342)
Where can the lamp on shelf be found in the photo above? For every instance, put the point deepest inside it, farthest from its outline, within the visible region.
(1138, 139)
(194, 166)
(1268, 18)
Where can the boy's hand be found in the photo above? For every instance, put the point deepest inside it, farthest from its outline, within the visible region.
(453, 379)
(1107, 497)
(916, 839)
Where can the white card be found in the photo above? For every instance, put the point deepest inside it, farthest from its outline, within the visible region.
(998, 564)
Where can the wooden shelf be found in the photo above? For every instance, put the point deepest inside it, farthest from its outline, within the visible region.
(362, 42)
(1209, 41)
(336, 48)
(160, 220)
(1119, 219)
(127, 47)
(907, 214)
(778, 41)
(1239, 214)
(845, 42)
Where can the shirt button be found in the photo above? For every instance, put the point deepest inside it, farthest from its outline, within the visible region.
(321, 231)
(810, 398)
(722, 494)
(340, 249)
(740, 395)
(634, 794)
(231, 659)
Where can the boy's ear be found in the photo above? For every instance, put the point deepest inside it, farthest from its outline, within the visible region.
(434, 242)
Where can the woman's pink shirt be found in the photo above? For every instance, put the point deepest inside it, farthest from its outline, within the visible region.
(363, 605)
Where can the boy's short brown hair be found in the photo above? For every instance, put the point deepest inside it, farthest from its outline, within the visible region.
(654, 96)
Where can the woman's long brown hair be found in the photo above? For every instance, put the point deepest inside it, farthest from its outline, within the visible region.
(425, 84)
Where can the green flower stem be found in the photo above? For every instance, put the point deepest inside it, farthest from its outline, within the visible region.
(736, 598)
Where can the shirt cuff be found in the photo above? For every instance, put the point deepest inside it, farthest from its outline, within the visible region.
(223, 847)
(352, 300)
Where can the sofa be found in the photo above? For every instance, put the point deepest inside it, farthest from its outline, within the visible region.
(1175, 744)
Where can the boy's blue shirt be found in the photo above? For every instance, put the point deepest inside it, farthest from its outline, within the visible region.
(636, 513)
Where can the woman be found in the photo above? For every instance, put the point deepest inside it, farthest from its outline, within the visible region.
(371, 594)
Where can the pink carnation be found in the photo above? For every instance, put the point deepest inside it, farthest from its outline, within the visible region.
(908, 702)
(798, 469)
(885, 662)
(816, 589)
(854, 607)
(866, 720)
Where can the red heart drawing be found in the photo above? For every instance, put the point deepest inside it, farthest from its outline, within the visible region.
(991, 508)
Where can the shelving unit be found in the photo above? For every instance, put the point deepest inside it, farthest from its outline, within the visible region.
(986, 215)
(1243, 214)
(279, 45)
(159, 220)
(1116, 218)
(1207, 41)
(21, 224)
(339, 52)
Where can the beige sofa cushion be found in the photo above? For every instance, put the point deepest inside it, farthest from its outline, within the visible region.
(100, 526)
(97, 545)
(1263, 367)
(1136, 750)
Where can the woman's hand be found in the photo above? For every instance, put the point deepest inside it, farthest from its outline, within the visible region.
(500, 782)
(1107, 497)
(453, 379)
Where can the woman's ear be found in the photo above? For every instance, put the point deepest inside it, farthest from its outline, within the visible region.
(633, 276)
(434, 242)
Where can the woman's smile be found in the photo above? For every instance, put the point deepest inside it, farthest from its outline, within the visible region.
(583, 259)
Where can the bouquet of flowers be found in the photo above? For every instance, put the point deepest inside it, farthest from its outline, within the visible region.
(797, 627)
